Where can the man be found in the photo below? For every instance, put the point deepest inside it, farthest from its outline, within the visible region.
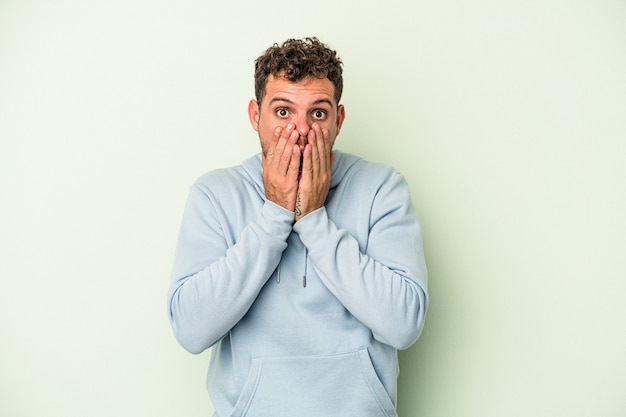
(302, 267)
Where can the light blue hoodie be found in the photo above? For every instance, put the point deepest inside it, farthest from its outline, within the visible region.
(305, 318)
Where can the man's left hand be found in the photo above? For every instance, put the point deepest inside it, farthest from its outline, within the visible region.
(317, 163)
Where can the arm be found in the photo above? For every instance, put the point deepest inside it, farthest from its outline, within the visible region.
(384, 286)
(214, 281)
(217, 275)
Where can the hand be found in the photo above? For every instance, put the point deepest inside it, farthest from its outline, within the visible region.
(281, 165)
(317, 163)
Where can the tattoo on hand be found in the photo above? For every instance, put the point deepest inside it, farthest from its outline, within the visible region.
(298, 208)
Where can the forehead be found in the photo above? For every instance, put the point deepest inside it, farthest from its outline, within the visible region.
(304, 91)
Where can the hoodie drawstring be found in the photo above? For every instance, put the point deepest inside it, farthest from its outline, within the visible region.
(306, 254)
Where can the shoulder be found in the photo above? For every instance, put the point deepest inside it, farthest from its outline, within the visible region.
(354, 168)
(227, 180)
(213, 181)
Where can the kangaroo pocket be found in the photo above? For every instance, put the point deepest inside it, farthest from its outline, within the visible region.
(338, 385)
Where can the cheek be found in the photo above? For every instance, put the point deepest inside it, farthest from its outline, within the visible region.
(333, 131)
(267, 125)
(264, 127)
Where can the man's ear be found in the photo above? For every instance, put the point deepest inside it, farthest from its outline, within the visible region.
(254, 114)
(341, 116)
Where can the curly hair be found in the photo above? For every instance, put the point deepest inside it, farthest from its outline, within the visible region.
(297, 59)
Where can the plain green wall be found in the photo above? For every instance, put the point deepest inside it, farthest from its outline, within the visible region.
(507, 118)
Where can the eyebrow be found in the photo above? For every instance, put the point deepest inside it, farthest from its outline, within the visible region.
(315, 103)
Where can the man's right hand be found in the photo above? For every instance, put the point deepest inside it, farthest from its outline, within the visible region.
(281, 165)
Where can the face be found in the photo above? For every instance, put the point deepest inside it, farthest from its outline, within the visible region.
(301, 103)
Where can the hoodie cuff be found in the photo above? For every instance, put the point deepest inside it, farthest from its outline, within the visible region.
(314, 228)
(276, 220)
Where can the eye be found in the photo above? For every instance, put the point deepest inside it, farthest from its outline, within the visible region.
(282, 112)
(319, 114)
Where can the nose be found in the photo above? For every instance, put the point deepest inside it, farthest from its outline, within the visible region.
(302, 125)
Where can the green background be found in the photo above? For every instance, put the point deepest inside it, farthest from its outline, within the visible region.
(507, 118)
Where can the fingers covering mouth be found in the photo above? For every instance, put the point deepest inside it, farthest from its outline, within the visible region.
(302, 141)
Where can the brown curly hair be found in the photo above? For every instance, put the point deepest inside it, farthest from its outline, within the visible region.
(297, 59)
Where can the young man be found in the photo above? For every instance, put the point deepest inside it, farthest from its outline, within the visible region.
(302, 267)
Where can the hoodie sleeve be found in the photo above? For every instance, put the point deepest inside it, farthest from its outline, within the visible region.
(215, 280)
(385, 284)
